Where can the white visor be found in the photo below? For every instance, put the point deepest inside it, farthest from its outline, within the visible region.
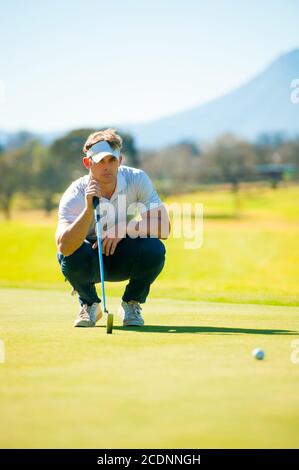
(102, 149)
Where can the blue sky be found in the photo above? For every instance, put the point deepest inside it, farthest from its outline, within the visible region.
(92, 63)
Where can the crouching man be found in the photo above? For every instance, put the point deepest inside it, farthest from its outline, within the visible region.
(132, 247)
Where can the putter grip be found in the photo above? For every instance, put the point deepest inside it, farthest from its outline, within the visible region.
(95, 202)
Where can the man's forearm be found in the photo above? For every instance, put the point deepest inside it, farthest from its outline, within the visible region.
(153, 227)
(73, 236)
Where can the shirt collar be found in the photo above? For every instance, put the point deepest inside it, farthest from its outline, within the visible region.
(121, 182)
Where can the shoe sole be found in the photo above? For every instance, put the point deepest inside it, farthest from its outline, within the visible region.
(84, 324)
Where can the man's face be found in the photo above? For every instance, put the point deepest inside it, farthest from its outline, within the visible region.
(105, 171)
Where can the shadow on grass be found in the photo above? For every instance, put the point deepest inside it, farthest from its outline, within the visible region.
(219, 216)
(202, 329)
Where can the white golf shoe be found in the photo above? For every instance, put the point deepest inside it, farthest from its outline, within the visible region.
(130, 313)
(89, 315)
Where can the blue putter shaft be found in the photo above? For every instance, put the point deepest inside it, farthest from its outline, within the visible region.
(96, 206)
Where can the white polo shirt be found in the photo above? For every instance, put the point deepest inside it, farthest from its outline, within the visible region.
(134, 193)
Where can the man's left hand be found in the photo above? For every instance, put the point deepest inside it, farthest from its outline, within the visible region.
(108, 245)
(111, 239)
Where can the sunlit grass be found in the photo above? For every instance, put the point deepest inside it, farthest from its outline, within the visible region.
(185, 380)
(253, 258)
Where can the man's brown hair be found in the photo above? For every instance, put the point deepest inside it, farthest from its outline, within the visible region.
(109, 135)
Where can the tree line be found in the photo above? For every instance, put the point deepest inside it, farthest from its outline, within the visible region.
(37, 171)
(229, 159)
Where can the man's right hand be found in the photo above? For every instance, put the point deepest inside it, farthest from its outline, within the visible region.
(92, 190)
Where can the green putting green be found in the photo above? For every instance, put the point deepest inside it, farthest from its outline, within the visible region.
(186, 380)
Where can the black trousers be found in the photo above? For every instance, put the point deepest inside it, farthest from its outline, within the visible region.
(139, 260)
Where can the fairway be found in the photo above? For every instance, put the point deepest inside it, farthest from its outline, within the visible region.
(250, 259)
(185, 380)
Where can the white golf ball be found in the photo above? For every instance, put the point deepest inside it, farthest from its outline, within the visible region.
(258, 354)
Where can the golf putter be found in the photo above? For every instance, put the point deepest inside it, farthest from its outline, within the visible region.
(96, 205)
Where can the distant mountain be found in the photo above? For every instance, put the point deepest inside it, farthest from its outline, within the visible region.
(261, 105)
(17, 138)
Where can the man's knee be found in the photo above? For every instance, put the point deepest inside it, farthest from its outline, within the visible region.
(78, 261)
(152, 251)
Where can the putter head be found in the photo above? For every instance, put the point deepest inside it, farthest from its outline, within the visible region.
(109, 326)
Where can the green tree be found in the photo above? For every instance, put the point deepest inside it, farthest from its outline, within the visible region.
(229, 160)
(11, 178)
(67, 153)
(130, 151)
(47, 178)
